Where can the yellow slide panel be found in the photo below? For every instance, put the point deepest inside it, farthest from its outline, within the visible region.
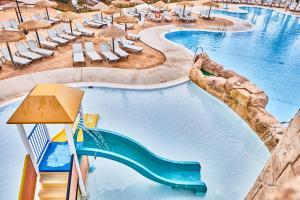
(90, 121)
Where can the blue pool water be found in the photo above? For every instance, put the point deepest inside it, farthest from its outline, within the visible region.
(178, 123)
(269, 55)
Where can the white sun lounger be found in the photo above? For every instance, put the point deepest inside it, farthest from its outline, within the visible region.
(98, 21)
(34, 48)
(88, 22)
(61, 34)
(19, 61)
(91, 53)
(7, 26)
(166, 16)
(120, 52)
(131, 47)
(53, 37)
(133, 36)
(37, 16)
(109, 56)
(13, 23)
(46, 43)
(52, 19)
(78, 56)
(67, 30)
(23, 51)
(84, 31)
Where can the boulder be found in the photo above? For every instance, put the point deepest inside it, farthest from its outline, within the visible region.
(258, 100)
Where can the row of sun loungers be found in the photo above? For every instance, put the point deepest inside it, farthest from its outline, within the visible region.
(11, 25)
(25, 55)
(78, 54)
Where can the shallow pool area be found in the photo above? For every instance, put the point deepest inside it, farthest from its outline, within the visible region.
(179, 123)
(268, 54)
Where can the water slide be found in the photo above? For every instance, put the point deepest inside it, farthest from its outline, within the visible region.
(111, 145)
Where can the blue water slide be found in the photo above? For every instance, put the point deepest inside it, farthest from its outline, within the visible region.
(111, 145)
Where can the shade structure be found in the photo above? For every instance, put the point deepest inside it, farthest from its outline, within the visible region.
(100, 6)
(136, 2)
(126, 19)
(112, 32)
(120, 3)
(45, 4)
(111, 10)
(70, 16)
(160, 5)
(185, 4)
(210, 4)
(11, 36)
(34, 25)
(49, 104)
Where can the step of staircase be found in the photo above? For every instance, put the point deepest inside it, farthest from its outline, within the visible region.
(53, 193)
(54, 180)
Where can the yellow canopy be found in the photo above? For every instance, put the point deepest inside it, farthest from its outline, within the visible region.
(49, 104)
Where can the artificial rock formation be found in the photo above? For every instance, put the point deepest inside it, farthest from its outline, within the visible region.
(241, 95)
(280, 178)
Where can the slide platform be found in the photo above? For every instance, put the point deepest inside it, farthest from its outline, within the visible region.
(90, 121)
(114, 146)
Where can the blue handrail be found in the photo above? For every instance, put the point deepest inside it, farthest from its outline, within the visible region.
(38, 139)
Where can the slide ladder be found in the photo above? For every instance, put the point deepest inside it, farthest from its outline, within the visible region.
(117, 147)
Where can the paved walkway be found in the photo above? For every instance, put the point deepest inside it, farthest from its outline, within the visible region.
(176, 66)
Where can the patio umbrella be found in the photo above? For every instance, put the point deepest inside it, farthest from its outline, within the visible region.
(34, 25)
(160, 5)
(112, 32)
(69, 16)
(136, 2)
(210, 4)
(184, 4)
(11, 36)
(111, 10)
(45, 4)
(126, 19)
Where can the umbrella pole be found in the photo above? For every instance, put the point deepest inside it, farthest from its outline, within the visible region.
(37, 37)
(113, 44)
(19, 11)
(125, 26)
(17, 15)
(11, 57)
(209, 12)
(101, 16)
(112, 19)
(47, 13)
(183, 11)
(71, 27)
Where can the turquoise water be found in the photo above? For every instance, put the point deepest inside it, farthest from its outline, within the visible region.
(269, 55)
(178, 123)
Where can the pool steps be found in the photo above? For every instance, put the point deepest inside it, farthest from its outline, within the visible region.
(53, 185)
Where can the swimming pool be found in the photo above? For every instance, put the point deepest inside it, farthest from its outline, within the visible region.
(269, 55)
(181, 123)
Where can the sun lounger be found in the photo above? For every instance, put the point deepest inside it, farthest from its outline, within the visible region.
(13, 23)
(52, 19)
(91, 53)
(84, 31)
(131, 47)
(133, 36)
(186, 18)
(120, 52)
(34, 48)
(78, 56)
(61, 34)
(7, 26)
(19, 61)
(166, 16)
(88, 22)
(23, 51)
(39, 17)
(46, 43)
(98, 21)
(105, 51)
(67, 30)
(55, 38)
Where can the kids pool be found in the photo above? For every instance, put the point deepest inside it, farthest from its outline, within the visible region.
(180, 123)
